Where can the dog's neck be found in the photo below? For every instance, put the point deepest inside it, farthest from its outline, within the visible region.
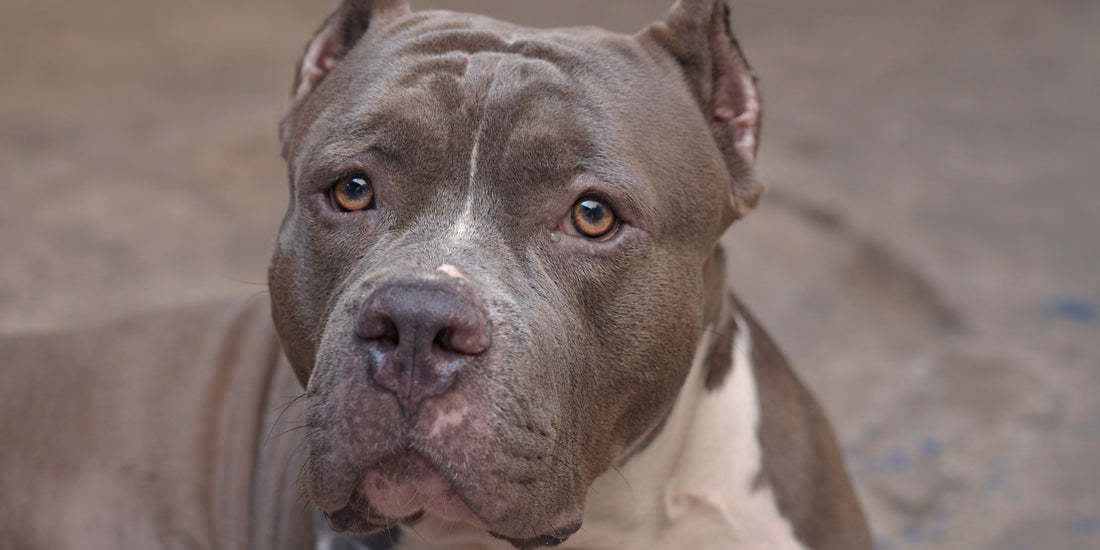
(694, 484)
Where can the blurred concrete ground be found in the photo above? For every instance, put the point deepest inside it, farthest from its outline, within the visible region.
(929, 255)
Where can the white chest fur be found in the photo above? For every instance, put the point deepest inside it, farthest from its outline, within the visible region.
(692, 488)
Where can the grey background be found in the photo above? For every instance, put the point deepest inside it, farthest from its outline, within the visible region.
(928, 255)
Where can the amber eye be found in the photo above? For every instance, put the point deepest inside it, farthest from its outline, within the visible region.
(352, 194)
(593, 218)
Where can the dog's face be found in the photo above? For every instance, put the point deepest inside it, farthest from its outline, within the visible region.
(490, 275)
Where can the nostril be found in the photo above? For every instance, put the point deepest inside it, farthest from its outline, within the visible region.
(391, 336)
(442, 340)
(468, 337)
(378, 327)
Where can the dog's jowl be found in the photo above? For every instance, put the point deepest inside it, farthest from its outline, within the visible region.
(499, 283)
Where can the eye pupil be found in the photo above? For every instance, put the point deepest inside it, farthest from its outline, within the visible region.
(354, 194)
(593, 212)
(593, 218)
(355, 188)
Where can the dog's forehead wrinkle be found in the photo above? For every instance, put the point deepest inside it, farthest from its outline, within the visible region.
(438, 30)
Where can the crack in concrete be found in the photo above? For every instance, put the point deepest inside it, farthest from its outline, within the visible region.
(878, 270)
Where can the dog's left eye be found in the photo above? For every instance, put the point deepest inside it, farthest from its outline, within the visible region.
(353, 193)
(594, 218)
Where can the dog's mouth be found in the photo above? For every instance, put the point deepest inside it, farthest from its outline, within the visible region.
(402, 488)
(406, 485)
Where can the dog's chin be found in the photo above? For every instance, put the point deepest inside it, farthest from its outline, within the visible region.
(404, 488)
(407, 485)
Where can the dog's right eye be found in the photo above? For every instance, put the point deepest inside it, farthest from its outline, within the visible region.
(594, 218)
(353, 194)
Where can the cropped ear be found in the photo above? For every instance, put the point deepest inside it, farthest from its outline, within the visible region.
(341, 31)
(700, 38)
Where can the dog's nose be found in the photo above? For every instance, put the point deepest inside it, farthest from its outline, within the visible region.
(419, 337)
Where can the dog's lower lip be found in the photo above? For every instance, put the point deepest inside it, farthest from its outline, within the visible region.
(407, 484)
(556, 538)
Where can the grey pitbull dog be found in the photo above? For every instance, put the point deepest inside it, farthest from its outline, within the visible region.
(500, 283)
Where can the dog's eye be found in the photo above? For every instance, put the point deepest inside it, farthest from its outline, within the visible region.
(352, 194)
(593, 218)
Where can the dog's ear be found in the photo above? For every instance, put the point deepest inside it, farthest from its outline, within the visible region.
(341, 31)
(699, 36)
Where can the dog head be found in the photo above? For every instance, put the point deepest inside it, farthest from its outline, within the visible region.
(491, 275)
